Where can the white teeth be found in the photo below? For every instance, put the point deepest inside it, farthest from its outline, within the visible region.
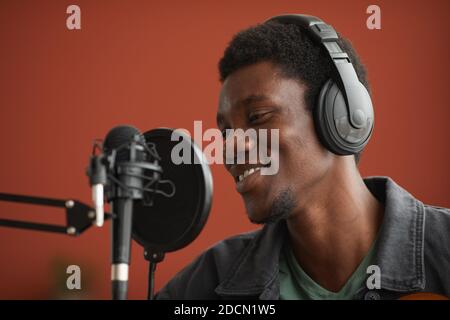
(247, 173)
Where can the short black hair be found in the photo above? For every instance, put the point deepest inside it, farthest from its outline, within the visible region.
(292, 49)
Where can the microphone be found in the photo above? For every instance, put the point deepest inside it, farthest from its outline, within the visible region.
(129, 161)
(162, 210)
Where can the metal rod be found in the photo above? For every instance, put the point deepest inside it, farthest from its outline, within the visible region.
(33, 200)
(33, 226)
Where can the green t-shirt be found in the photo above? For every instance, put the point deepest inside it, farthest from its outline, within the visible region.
(295, 284)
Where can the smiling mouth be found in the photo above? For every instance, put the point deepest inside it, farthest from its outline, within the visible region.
(249, 172)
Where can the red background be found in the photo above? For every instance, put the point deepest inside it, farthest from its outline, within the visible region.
(154, 63)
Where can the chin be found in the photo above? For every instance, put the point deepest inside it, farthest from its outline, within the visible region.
(256, 214)
(271, 211)
(257, 220)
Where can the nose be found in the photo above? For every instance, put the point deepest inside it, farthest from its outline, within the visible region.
(238, 144)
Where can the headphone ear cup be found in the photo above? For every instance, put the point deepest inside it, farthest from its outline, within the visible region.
(332, 121)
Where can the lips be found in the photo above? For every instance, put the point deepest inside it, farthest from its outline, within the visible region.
(247, 172)
(246, 177)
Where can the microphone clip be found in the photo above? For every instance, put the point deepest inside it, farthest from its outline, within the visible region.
(97, 180)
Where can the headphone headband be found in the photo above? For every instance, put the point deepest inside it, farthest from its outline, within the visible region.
(325, 35)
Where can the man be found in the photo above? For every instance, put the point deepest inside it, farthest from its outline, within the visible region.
(326, 230)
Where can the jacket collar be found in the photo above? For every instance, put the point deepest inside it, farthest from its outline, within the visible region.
(257, 268)
(399, 254)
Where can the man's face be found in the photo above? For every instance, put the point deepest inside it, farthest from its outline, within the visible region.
(259, 97)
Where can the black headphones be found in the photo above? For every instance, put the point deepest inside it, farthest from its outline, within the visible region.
(344, 114)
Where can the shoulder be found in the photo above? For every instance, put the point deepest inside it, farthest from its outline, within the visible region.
(437, 225)
(199, 279)
(437, 248)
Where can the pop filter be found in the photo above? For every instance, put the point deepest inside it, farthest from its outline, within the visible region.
(171, 223)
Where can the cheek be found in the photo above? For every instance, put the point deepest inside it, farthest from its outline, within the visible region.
(302, 157)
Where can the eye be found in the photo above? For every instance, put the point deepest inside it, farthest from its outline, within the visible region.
(253, 117)
(258, 117)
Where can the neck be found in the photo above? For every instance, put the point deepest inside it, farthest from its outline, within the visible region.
(335, 227)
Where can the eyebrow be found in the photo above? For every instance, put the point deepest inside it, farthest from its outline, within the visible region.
(245, 101)
(253, 98)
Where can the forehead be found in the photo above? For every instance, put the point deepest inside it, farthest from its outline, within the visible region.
(257, 83)
(255, 80)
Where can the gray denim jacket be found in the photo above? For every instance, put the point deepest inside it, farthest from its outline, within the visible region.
(413, 255)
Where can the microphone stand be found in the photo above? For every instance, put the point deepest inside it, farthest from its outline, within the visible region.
(153, 259)
(79, 217)
(126, 181)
